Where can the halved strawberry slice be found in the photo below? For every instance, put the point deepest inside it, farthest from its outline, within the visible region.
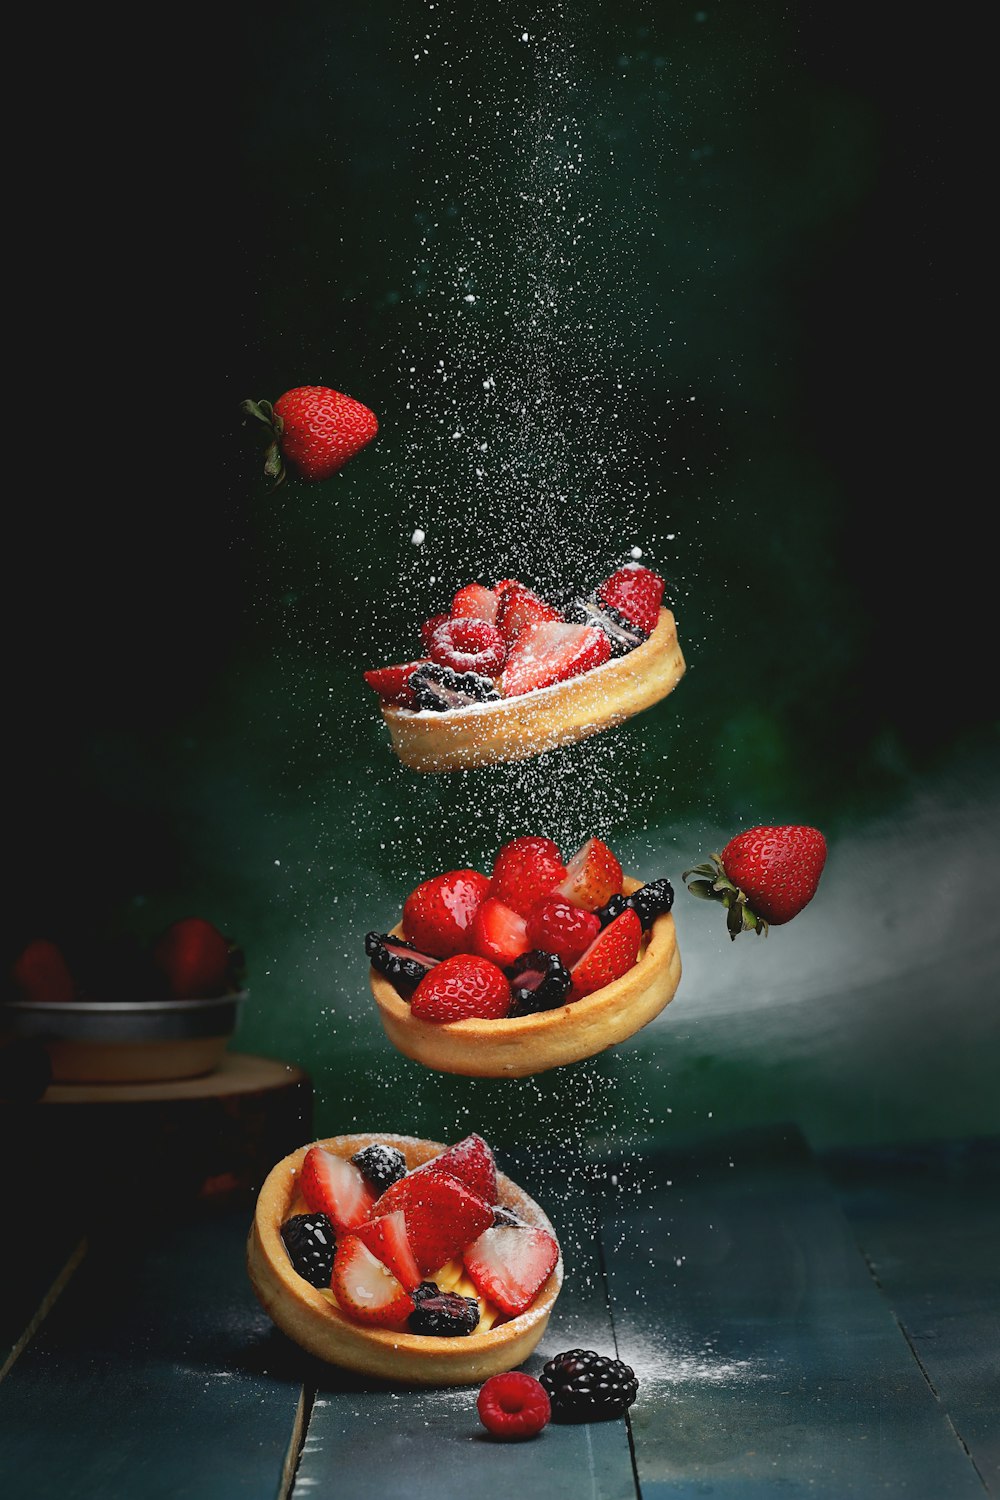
(609, 956)
(392, 684)
(498, 932)
(365, 1289)
(471, 1161)
(475, 602)
(520, 606)
(510, 1265)
(333, 1186)
(386, 1238)
(550, 652)
(593, 876)
(442, 1215)
(635, 592)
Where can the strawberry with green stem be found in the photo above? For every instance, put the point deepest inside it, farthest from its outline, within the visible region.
(763, 877)
(313, 430)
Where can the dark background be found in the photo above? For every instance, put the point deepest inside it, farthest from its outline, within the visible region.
(775, 332)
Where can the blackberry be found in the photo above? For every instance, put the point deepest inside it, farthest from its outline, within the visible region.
(311, 1243)
(506, 1218)
(623, 635)
(584, 1386)
(380, 1165)
(445, 1315)
(611, 909)
(651, 901)
(538, 981)
(397, 959)
(442, 688)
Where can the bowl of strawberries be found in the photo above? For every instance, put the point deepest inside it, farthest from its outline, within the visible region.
(126, 1011)
(404, 1259)
(540, 963)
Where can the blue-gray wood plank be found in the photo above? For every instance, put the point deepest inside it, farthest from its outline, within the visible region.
(770, 1363)
(375, 1443)
(154, 1375)
(928, 1221)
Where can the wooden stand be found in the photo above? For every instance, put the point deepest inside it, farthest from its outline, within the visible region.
(166, 1144)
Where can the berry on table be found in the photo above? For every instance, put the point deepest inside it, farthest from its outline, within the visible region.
(584, 1386)
(311, 1244)
(462, 988)
(513, 1406)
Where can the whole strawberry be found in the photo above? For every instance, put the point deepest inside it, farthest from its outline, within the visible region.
(763, 877)
(313, 430)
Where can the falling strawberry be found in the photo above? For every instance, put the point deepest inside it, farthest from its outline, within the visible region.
(313, 430)
(763, 877)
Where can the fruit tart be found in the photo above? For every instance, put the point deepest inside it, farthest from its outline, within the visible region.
(404, 1259)
(505, 674)
(540, 964)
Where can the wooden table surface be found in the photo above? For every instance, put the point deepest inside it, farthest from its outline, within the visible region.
(800, 1328)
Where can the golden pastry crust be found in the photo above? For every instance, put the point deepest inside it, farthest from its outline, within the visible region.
(305, 1315)
(532, 1044)
(517, 728)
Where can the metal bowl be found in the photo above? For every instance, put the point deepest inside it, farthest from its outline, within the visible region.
(121, 1041)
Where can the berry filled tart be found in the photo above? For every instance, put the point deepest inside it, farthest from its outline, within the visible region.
(537, 965)
(404, 1259)
(505, 674)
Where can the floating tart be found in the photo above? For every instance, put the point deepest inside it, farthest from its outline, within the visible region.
(310, 1316)
(515, 1047)
(517, 728)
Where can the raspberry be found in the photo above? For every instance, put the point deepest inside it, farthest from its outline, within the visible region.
(460, 988)
(468, 646)
(513, 1406)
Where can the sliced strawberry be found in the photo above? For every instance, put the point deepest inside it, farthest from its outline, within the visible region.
(392, 684)
(333, 1186)
(555, 925)
(593, 876)
(442, 1215)
(475, 602)
(504, 583)
(428, 628)
(609, 956)
(499, 933)
(462, 988)
(468, 646)
(386, 1238)
(635, 592)
(509, 1265)
(472, 1162)
(550, 652)
(525, 870)
(520, 606)
(438, 914)
(366, 1289)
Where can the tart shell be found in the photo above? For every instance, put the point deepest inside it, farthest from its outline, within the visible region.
(485, 734)
(523, 1045)
(306, 1316)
